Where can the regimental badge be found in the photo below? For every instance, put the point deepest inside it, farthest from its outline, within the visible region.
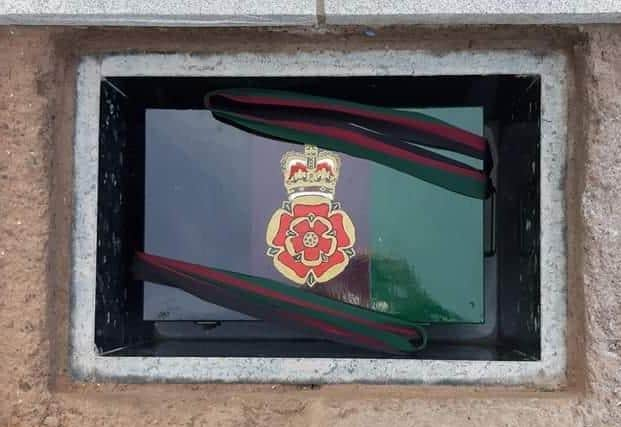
(310, 239)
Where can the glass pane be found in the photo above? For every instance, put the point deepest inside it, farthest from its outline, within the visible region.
(211, 190)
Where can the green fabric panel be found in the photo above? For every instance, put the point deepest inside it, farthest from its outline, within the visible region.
(426, 243)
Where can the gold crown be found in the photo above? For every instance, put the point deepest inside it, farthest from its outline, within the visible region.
(311, 173)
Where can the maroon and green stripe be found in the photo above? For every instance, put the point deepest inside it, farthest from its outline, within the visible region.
(460, 178)
(412, 120)
(208, 291)
(260, 112)
(291, 295)
(236, 291)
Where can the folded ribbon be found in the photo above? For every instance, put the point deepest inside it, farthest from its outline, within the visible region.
(284, 304)
(406, 141)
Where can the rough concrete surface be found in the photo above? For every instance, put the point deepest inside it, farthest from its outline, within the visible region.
(472, 11)
(158, 12)
(37, 69)
(299, 12)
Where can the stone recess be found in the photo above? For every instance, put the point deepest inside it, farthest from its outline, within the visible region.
(548, 373)
(158, 12)
(387, 12)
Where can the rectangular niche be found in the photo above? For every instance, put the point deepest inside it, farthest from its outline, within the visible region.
(156, 173)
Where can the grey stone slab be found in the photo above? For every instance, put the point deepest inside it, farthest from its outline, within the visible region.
(549, 372)
(158, 12)
(384, 12)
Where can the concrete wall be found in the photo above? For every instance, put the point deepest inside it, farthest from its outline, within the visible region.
(37, 71)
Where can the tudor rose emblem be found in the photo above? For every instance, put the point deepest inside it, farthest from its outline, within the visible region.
(310, 239)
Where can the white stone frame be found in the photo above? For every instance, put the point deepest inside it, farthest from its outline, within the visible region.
(549, 372)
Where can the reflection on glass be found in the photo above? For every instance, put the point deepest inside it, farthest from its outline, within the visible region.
(212, 191)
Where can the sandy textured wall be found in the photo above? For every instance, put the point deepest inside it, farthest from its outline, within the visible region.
(36, 122)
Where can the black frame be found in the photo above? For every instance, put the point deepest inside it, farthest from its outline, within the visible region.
(511, 114)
